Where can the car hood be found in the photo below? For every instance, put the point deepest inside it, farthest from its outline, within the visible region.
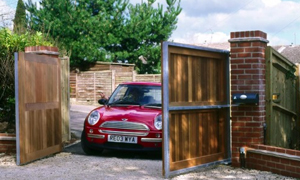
(128, 113)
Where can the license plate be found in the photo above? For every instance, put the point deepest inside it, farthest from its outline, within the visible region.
(122, 139)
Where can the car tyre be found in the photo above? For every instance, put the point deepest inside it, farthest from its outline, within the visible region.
(87, 150)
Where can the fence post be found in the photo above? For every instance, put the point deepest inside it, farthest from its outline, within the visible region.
(248, 68)
(133, 76)
(76, 87)
(95, 100)
(113, 80)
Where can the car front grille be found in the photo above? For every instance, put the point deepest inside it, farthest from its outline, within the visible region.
(124, 125)
(124, 133)
(124, 128)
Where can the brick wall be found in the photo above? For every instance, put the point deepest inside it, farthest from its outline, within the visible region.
(52, 51)
(274, 159)
(7, 143)
(247, 76)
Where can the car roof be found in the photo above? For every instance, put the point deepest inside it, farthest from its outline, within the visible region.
(143, 83)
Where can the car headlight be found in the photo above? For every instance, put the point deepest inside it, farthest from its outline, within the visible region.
(158, 122)
(93, 118)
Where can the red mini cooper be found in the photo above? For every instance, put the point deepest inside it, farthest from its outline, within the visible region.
(130, 119)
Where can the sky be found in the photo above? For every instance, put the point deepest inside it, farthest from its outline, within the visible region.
(211, 21)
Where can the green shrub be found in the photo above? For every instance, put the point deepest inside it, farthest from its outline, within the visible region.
(10, 43)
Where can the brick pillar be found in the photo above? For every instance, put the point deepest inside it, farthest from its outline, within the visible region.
(47, 50)
(247, 76)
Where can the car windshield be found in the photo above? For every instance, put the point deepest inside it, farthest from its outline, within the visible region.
(136, 95)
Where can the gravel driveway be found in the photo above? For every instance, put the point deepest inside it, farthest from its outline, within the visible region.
(113, 166)
(73, 164)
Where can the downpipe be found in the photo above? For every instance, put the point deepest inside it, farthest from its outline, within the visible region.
(265, 133)
(242, 157)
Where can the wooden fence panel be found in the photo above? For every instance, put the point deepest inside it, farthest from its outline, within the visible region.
(281, 95)
(121, 77)
(73, 85)
(90, 84)
(86, 86)
(148, 77)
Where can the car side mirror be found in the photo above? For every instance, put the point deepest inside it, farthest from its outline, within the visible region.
(102, 101)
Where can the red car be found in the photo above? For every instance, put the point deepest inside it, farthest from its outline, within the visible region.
(130, 119)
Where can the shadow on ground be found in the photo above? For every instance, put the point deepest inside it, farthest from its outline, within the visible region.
(76, 149)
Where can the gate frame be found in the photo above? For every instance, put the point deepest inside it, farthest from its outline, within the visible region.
(165, 104)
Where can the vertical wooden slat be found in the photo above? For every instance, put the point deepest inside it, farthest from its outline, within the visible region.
(200, 135)
(50, 128)
(221, 131)
(185, 137)
(177, 137)
(44, 130)
(204, 84)
(192, 133)
(205, 129)
(172, 138)
(190, 83)
(198, 66)
(172, 81)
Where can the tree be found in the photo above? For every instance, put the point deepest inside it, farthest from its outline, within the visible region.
(107, 30)
(144, 31)
(20, 25)
(81, 27)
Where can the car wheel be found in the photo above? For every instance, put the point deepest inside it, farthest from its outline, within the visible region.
(85, 148)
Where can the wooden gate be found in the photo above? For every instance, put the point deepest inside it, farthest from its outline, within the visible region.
(38, 109)
(282, 129)
(196, 129)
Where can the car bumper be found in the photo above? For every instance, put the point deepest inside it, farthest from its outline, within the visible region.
(145, 143)
(121, 146)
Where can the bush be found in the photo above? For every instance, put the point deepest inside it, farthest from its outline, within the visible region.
(10, 43)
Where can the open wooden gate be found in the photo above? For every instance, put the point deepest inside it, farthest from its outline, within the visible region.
(196, 129)
(38, 116)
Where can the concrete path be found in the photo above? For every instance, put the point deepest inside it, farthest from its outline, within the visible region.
(82, 108)
(78, 114)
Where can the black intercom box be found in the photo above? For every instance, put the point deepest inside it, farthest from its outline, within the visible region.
(245, 98)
